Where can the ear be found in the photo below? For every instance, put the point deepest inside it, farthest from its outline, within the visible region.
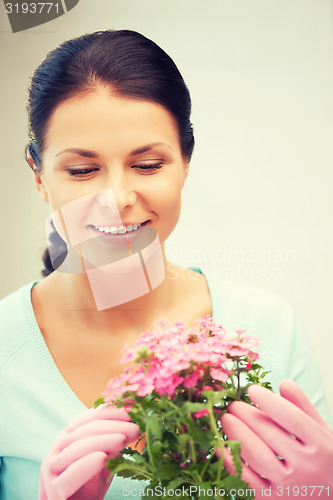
(39, 183)
(186, 165)
(38, 179)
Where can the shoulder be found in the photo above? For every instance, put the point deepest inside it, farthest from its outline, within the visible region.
(261, 313)
(13, 304)
(15, 310)
(238, 302)
(255, 301)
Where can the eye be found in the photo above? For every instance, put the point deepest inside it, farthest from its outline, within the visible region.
(81, 172)
(148, 168)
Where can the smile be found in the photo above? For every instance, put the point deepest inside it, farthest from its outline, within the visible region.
(117, 229)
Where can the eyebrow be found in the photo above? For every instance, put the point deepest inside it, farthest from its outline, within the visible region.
(148, 148)
(92, 154)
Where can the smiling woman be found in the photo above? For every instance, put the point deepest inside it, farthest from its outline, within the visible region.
(110, 146)
(143, 165)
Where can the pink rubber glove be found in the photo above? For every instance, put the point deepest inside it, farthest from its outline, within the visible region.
(289, 427)
(74, 467)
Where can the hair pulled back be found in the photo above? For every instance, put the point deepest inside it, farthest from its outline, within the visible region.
(124, 60)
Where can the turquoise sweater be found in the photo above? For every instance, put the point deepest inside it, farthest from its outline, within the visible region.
(36, 402)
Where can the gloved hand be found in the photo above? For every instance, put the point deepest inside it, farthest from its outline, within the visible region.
(74, 467)
(288, 427)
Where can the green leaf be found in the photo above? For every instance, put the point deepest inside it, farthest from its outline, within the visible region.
(234, 482)
(166, 470)
(203, 439)
(169, 438)
(127, 471)
(235, 446)
(153, 427)
(214, 468)
(183, 440)
(267, 385)
(150, 404)
(263, 374)
(257, 376)
(256, 366)
(129, 451)
(98, 402)
(156, 449)
(189, 407)
(176, 483)
(215, 397)
(204, 489)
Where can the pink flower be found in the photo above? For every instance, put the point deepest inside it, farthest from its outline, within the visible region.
(177, 357)
(168, 386)
(191, 380)
(253, 355)
(129, 404)
(201, 413)
(219, 374)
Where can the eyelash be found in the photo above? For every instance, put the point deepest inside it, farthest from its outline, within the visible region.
(80, 171)
(152, 167)
(86, 171)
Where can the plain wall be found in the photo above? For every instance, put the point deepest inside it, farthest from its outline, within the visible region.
(258, 203)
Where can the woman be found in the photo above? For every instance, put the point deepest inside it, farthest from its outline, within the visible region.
(109, 124)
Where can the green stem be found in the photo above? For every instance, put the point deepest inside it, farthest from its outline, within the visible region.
(176, 409)
(219, 444)
(149, 450)
(192, 451)
(238, 376)
(197, 477)
(206, 466)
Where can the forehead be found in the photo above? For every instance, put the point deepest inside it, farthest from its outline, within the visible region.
(102, 117)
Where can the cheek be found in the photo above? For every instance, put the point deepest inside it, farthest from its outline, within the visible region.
(60, 194)
(167, 194)
(167, 205)
(55, 191)
(170, 203)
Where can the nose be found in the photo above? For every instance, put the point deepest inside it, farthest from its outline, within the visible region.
(106, 198)
(119, 191)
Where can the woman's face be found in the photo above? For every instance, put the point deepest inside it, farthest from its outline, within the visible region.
(120, 158)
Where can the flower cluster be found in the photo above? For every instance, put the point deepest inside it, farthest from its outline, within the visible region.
(169, 357)
(179, 382)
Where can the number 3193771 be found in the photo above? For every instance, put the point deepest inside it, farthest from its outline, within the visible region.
(32, 8)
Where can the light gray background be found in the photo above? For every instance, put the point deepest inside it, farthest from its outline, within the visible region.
(258, 204)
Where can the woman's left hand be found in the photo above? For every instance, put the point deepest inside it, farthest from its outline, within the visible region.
(287, 448)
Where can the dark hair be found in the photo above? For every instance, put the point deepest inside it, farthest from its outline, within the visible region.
(125, 60)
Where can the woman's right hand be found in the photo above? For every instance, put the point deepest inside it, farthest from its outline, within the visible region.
(74, 466)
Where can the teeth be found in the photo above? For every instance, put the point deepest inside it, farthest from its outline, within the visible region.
(117, 229)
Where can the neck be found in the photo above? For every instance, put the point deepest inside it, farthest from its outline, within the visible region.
(75, 293)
